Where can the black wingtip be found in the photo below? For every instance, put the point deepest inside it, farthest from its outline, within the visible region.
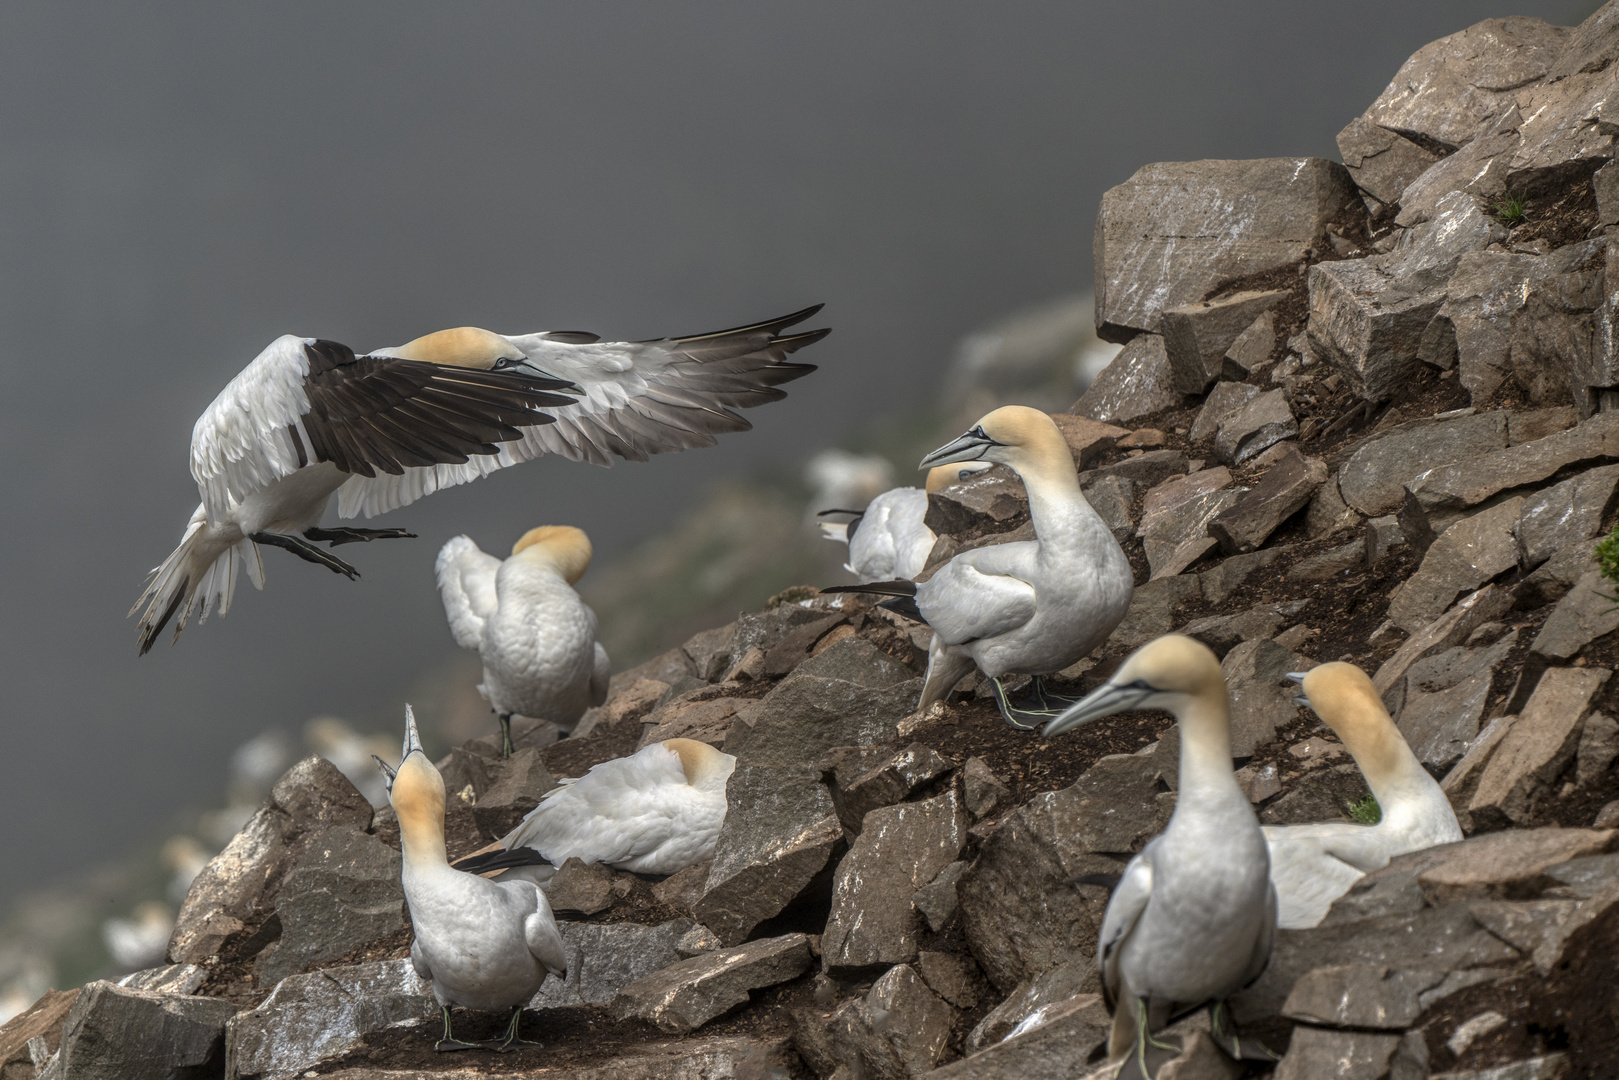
(899, 587)
(500, 860)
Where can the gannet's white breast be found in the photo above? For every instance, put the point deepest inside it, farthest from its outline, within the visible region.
(635, 813)
(473, 936)
(539, 646)
(891, 540)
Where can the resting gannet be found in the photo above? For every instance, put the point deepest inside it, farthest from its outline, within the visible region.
(1031, 606)
(485, 945)
(536, 637)
(1313, 865)
(889, 538)
(1194, 915)
(308, 419)
(656, 811)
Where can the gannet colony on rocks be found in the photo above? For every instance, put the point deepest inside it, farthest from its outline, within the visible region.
(1358, 448)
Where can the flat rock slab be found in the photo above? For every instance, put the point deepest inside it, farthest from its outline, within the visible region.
(1137, 382)
(1224, 400)
(1261, 698)
(1359, 996)
(1315, 1053)
(117, 1033)
(1466, 555)
(1087, 439)
(1175, 230)
(1383, 163)
(685, 996)
(603, 958)
(863, 785)
(1057, 1047)
(1565, 513)
(1176, 512)
(1154, 610)
(1536, 747)
(1197, 335)
(993, 501)
(1585, 613)
(1467, 483)
(1257, 426)
(1287, 486)
(1373, 480)
(719, 1058)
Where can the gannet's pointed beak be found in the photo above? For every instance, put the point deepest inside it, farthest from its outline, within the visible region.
(1299, 699)
(970, 447)
(387, 771)
(413, 740)
(1105, 700)
(565, 385)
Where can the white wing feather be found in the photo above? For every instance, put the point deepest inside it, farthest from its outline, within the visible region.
(975, 596)
(1124, 910)
(466, 583)
(241, 442)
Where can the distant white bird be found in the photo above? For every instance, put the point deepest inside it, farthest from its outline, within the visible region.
(1027, 607)
(890, 539)
(1193, 918)
(1313, 865)
(485, 945)
(536, 637)
(657, 811)
(308, 419)
(839, 478)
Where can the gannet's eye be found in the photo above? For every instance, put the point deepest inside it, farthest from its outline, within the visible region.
(963, 474)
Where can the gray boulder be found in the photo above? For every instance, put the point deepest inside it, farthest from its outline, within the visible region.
(1258, 425)
(1136, 383)
(1382, 162)
(1565, 513)
(604, 958)
(1058, 1047)
(1222, 403)
(119, 1033)
(1174, 516)
(862, 782)
(1373, 480)
(1467, 555)
(898, 1031)
(1261, 696)
(1197, 335)
(1287, 486)
(685, 996)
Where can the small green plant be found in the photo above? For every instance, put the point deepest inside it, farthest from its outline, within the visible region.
(1366, 811)
(1607, 556)
(1512, 209)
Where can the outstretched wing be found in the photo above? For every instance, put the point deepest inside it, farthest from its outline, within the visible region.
(639, 398)
(466, 583)
(304, 400)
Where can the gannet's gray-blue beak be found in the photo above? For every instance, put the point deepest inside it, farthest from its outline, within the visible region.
(567, 386)
(970, 447)
(1299, 699)
(1105, 700)
(412, 745)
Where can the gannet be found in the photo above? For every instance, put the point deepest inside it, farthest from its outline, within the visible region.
(1313, 865)
(485, 945)
(889, 538)
(656, 811)
(1194, 914)
(1030, 606)
(309, 419)
(536, 637)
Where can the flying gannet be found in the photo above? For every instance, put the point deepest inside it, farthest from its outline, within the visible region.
(308, 419)
(657, 811)
(536, 637)
(1194, 914)
(1030, 606)
(1313, 865)
(889, 539)
(485, 945)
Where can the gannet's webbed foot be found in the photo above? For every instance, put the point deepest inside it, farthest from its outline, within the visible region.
(1034, 709)
(512, 1038)
(449, 1041)
(1146, 1054)
(506, 747)
(1224, 1034)
(306, 551)
(343, 535)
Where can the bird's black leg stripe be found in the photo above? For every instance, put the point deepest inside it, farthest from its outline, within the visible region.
(306, 551)
(344, 535)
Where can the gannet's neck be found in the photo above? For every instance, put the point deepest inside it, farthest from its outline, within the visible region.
(1057, 508)
(1396, 778)
(418, 800)
(1206, 776)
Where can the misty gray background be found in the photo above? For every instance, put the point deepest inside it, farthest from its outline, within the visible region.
(182, 183)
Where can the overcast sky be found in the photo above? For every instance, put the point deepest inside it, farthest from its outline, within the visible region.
(183, 183)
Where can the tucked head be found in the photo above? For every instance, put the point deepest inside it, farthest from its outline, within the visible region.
(464, 346)
(415, 789)
(563, 546)
(1017, 436)
(942, 476)
(1162, 674)
(704, 766)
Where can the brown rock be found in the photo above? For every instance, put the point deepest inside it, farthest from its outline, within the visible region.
(991, 502)
(1228, 575)
(1223, 401)
(864, 783)
(1330, 563)
(1256, 427)
(1359, 996)
(685, 996)
(1087, 439)
(1451, 628)
(1284, 490)
(41, 1020)
(706, 720)
(1501, 863)
(1197, 335)
(1328, 513)
(516, 785)
(1138, 382)
(984, 792)
(897, 1031)
(1315, 1053)
(1467, 483)
(1585, 613)
(1251, 351)
(1177, 511)
(580, 886)
(1373, 480)
(116, 1033)
(951, 977)
(1058, 1049)
(1468, 554)
(1539, 743)
(1154, 610)
(1261, 696)
(1564, 513)
(1382, 162)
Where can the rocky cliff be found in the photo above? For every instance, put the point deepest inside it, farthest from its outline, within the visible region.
(1365, 410)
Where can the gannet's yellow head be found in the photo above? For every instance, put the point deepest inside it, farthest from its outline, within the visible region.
(1025, 440)
(563, 546)
(415, 789)
(704, 766)
(942, 476)
(464, 346)
(1349, 704)
(1162, 674)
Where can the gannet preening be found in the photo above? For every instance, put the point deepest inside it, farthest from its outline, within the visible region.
(308, 419)
(889, 538)
(656, 811)
(485, 945)
(1194, 915)
(536, 637)
(1313, 865)
(1031, 606)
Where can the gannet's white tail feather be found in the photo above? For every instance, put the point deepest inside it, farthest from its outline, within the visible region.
(199, 574)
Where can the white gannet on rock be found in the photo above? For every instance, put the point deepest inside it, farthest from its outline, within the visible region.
(1028, 607)
(309, 419)
(657, 811)
(1313, 865)
(484, 945)
(536, 637)
(889, 539)
(1194, 915)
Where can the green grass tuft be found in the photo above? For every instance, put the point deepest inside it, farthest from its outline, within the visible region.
(1365, 811)
(1512, 209)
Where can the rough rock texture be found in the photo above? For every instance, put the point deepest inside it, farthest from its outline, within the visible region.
(897, 1030)
(1287, 486)
(1056, 1048)
(1467, 555)
(117, 1033)
(1535, 747)
(603, 958)
(42, 1021)
(1373, 479)
(1197, 335)
(1257, 426)
(687, 995)
(1138, 382)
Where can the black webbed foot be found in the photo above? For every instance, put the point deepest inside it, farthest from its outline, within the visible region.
(345, 535)
(306, 551)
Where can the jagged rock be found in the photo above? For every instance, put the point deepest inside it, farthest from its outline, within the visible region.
(1284, 490)
(1468, 554)
(897, 1031)
(696, 941)
(1359, 996)
(1045, 994)
(780, 828)
(1197, 335)
(580, 886)
(1373, 479)
(1087, 439)
(42, 1020)
(1261, 698)
(1383, 535)
(688, 717)
(1113, 497)
(1383, 163)
(1175, 230)
(1058, 1048)
(343, 894)
(1175, 513)
(118, 1033)
(516, 785)
(1563, 513)
(859, 790)
(993, 501)
(1467, 483)
(936, 901)
(1605, 184)
(634, 699)
(1222, 633)
(900, 849)
(1536, 746)
(1254, 428)
(949, 976)
(1330, 563)
(1147, 469)
(1251, 351)
(168, 979)
(1020, 915)
(1344, 1055)
(1223, 401)
(1585, 613)
(1138, 382)
(238, 882)
(1153, 609)
(1599, 745)
(1367, 316)
(685, 996)
(1451, 628)
(604, 958)
(983, 791)
(1444, 699)
(852, 694)
(1325, 797)
(1225, 577)
(1328, 513)
(1557, 575)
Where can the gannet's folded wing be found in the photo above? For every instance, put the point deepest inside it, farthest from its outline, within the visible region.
(466, 583)
(542, 936)
(1124, 909)
(617, 811)
(962, 603)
